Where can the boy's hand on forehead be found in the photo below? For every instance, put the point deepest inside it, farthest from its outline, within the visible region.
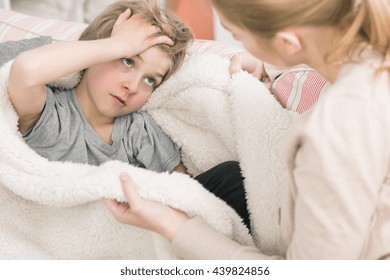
(136, 35)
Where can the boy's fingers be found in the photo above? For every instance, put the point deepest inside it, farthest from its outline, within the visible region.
(163, 40)
(123, 17)
(126, 14)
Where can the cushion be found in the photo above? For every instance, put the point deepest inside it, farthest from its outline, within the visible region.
(16, 26)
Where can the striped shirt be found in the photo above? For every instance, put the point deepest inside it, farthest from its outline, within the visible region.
(296, 88)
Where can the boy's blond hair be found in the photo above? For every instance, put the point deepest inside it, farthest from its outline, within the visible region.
(169, 24)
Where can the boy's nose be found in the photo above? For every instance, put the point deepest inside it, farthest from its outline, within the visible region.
(131, 86)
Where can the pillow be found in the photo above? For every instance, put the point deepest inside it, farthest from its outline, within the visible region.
(16, 26)
(9, 50)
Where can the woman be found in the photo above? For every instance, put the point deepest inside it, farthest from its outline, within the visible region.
(338, 154)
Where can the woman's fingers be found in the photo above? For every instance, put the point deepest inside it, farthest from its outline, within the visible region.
(129, 189)
(247, 62)
(144, 213)
(120, 210)
(236, 64)
(111, 204)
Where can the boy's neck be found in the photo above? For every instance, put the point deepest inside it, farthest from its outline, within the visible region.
(105, 132)
(102, 125)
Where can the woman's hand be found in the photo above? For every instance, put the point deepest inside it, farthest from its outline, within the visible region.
(136, 35)
(143, 213)
(246, 61)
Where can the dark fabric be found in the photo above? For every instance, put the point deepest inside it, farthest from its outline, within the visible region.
(226, 182)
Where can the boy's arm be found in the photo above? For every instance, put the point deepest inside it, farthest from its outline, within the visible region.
(32, 70)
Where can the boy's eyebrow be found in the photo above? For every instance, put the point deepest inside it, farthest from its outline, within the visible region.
(157, 73)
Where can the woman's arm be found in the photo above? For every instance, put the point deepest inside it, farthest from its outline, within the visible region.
(191, 238)
(239, 58)
(337, 174)
(195, 239)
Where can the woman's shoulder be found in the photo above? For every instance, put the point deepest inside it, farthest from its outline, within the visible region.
(362, 74)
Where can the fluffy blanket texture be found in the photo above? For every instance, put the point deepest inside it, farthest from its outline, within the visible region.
(53, 210)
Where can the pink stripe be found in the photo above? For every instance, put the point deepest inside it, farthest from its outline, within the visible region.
(6, 14)
(311, 91)
(282, 89)
(268, 85)
(58, 29)
(221, 49)
(15, 34)
(27, 22)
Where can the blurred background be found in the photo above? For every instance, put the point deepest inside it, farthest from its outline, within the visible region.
(198, 14)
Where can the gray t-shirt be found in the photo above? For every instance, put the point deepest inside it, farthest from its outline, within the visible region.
(64, 134)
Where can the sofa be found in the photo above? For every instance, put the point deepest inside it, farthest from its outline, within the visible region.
(53, 210)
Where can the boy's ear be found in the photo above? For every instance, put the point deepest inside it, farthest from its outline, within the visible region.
(288, 41)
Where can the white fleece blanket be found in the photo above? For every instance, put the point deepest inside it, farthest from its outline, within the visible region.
(53, 210)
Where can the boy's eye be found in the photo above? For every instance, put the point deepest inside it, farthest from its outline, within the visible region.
(128, 62)
(151, 81)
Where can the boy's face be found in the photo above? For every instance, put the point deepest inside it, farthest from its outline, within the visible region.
(122, 86)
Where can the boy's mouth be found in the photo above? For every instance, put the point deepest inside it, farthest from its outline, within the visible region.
(118, 100)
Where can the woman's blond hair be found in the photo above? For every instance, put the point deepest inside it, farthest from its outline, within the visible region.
(361, 21)
(168, 23)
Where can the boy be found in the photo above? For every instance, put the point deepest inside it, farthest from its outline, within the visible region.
(126, 52)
